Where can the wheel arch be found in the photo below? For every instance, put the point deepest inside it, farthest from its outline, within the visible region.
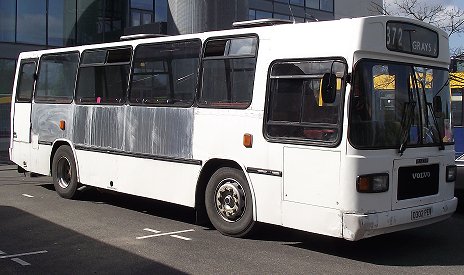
(208, 169)
(57, 144)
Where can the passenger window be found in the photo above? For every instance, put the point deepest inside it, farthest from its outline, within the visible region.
(57, 78)
(165, 73)
(25, 82)
(103, 76)
(228, 72)
(295, 108)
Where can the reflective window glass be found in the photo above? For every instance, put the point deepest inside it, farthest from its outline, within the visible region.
(327, 5)
(7, 20)
(313, 4)
(61, 22)
(142, 4)
(146, 18)
(263, 14)
(57, 77)
(31, 23)
(7, 73)
(251, 14)
(297, 2)
(161, 11)
(135, 18)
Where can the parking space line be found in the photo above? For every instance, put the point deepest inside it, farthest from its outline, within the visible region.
(27, 195)
(182, 238)
(151, 230)
(21, 262)
(23, 254)
(164, 234)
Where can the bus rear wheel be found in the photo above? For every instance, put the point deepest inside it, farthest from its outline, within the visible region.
(228, 202)
(64, 172)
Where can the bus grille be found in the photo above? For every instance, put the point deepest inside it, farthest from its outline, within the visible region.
(418, 181)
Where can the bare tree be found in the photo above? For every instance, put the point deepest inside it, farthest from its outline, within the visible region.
(449, 19)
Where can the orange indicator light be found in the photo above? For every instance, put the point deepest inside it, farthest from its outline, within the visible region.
(62, 124)
(248, 140)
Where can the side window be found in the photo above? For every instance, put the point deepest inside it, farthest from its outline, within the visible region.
(57, 78)
(103, 76)
(228, 72)
(295, 109)
(25, 82)
(165, 74)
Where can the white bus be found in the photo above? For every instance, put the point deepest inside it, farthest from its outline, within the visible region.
(286, 124)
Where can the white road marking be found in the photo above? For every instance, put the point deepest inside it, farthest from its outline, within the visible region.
(1, 252)
(29, 196)
(21, 262)
(151, 230)
(23, 254)
(164, 234)
(182, 238)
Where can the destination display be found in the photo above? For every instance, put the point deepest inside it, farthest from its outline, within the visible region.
(412, 39)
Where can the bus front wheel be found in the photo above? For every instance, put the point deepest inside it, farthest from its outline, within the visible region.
(228, 202)
(64, 172)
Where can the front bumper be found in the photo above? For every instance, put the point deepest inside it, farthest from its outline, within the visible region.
(360, 226)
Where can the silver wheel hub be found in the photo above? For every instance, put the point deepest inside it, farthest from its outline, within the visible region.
(64, 172)
(230, 200)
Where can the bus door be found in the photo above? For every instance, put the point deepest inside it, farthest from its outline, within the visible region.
(23, 101)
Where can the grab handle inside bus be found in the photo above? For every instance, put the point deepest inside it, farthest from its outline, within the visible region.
(329, 88)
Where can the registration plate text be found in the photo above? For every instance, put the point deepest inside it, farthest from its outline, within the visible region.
(421, 213)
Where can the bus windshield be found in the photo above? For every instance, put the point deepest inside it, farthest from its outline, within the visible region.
(398, 105)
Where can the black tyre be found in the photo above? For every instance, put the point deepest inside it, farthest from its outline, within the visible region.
(228, 202)
(64, 172)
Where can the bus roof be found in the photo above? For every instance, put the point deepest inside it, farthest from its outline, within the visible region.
(354, 38)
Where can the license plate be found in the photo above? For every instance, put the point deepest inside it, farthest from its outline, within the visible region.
(421, 213)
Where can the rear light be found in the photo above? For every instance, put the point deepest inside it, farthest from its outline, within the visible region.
(451, 172)
(372, 183)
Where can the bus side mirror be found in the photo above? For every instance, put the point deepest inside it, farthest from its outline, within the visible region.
(437, 104)
(329, 88)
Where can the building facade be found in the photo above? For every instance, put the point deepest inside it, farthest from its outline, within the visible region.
(27, 25)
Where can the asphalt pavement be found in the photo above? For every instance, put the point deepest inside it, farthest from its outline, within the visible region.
(108, 233)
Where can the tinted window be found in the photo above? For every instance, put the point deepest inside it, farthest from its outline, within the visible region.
(103, 76)
(25, 82)
(295, 108)
(57, 77)
(228, 72)
(165, 73)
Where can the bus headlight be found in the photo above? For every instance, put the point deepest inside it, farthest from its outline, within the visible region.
(451, 171)
(372, 183)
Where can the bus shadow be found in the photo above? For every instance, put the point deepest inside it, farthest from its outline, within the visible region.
(30, 244)
(434, 245)
(135, 203)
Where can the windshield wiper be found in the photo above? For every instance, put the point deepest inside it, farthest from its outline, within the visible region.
(434, 117)
(406, 122)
